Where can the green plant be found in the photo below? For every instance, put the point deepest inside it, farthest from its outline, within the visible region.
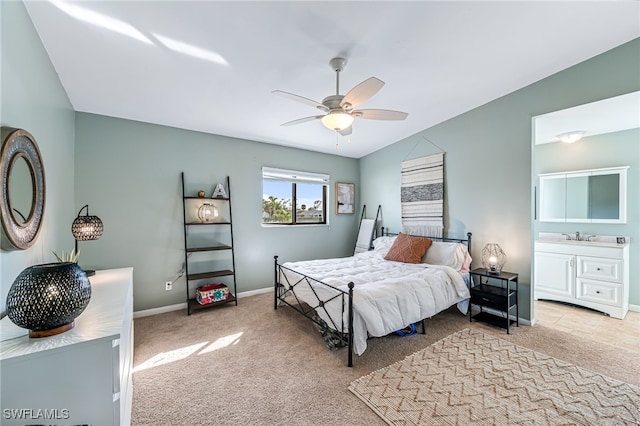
(71, 257)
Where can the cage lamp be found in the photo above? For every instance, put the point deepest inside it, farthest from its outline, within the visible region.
(86, 228)
(493, 258)
(207, 212)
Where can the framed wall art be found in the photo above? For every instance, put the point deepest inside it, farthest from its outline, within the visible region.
(345, 198)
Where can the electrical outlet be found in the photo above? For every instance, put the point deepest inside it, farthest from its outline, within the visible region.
(168, 286)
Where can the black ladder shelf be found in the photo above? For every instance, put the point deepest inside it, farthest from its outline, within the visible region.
(223, 205)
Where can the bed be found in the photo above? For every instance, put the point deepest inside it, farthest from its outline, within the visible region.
(365, 295)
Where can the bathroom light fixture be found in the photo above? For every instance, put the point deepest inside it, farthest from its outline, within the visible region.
(86, 228)
(337, 120)
(493, 258)
(571, 137)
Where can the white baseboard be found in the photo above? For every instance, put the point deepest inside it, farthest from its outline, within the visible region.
(160, 310)
(180, 306)
(254, 292)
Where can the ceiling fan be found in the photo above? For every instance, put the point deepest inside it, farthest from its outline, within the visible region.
(339, 109)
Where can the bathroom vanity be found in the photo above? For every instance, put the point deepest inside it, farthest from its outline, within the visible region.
(593, 273)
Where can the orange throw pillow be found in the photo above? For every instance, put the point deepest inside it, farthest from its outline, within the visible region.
(408, 249)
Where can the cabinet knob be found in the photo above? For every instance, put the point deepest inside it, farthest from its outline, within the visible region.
(597, 269)
(597, 291)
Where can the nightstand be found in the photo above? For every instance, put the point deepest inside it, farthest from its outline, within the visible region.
(497, 292)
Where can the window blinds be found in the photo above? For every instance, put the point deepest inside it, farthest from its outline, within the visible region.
(283, 175)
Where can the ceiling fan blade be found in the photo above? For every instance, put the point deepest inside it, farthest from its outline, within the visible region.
(301, 120)
(379, 114)
(302, 99)
(346, 132)
(361, 93)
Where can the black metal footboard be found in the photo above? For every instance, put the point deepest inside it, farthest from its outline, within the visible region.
(284, 287)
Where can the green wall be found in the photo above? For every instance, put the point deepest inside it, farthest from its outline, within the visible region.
(488, 172)
(607, 150)
(129, 174)
(33, 99)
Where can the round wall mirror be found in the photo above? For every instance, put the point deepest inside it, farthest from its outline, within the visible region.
(23, 189)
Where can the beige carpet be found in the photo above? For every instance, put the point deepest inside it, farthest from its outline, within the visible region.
(473, 378)
(251, 365)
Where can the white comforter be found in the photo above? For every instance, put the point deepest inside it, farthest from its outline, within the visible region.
(387, 295)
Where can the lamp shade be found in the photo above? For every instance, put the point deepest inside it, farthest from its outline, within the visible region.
(85, 228)
(493, 258)
(46, 299)
(337, 120)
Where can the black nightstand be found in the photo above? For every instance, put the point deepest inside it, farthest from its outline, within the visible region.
(502, 297)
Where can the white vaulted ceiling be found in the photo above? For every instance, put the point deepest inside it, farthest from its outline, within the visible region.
(211, 66)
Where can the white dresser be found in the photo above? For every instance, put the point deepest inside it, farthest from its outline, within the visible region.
(82, 376)
(594, 274)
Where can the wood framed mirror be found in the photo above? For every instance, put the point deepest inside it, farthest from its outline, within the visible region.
(23, 189)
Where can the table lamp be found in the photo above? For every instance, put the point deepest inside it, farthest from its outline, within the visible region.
(85, 228)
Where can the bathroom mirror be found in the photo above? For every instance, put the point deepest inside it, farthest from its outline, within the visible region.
(23, 189)
(593, 196)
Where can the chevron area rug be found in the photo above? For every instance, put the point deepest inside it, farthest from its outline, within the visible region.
(473, 378)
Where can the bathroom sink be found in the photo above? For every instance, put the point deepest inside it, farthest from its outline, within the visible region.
(580, 243)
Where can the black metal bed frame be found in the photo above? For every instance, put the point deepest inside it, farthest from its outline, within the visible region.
(284, 287)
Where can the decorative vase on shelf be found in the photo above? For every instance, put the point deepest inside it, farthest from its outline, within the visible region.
(47, 298)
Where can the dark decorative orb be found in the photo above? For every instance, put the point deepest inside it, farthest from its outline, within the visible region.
(47, 298)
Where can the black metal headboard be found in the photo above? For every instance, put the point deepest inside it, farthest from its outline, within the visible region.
(386, 233)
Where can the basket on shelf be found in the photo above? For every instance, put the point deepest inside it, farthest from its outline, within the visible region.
(211, 293)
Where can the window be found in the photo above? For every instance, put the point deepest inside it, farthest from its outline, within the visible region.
(291, 197)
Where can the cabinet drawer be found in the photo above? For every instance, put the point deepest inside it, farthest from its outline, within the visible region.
(492, 297)
(599, 268)
(599, 292)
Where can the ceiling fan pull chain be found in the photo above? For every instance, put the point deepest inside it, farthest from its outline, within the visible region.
(336, 140)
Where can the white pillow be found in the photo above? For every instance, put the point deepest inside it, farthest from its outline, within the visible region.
(383, 243)
(447, 254)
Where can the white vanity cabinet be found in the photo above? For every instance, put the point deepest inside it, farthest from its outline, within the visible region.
(594, 275)
(82, 376)
(555, 274)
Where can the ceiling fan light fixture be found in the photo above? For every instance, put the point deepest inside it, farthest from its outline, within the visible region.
(337, 120)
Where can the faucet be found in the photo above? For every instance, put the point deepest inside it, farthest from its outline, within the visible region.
(579, 237)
